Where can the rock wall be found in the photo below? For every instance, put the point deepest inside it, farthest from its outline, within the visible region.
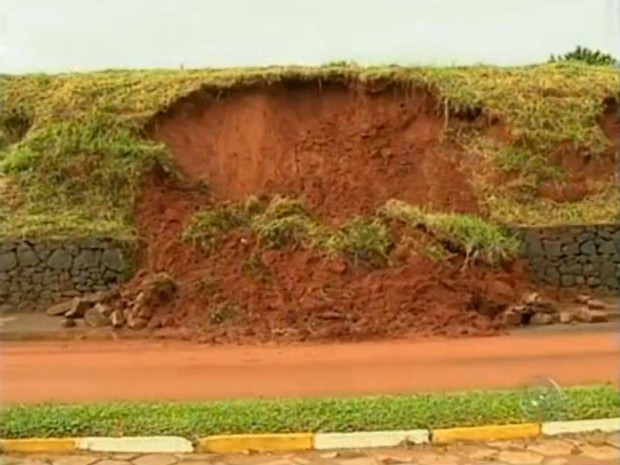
(574, 256)
(34, 274)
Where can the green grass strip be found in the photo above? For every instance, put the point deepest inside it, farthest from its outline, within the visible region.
(193, 420)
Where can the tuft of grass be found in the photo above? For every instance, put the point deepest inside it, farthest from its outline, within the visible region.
(194, 420)
(362, 240)
(468, 235)
(208, 226)
(75, 152)
(285, 222)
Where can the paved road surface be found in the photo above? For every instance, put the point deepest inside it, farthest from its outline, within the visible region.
(585, 450)
(134, 370)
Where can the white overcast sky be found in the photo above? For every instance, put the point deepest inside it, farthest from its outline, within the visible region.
(67, 35)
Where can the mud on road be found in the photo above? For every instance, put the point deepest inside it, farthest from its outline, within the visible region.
(148, 370)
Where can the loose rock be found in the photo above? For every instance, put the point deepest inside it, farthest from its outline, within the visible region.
(137, 323)
(117, 319)
(591, 316)
(582, 299)
(96, 316)
(598, 316)
(511, 318)
(539, 319)
(531, 299)
(79, 307)
(566, 317)
(596, 304)
(60, 309)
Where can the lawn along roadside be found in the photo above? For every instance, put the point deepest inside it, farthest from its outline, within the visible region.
(293, 416)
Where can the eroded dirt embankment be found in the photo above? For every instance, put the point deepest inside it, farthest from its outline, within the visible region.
(342, 153)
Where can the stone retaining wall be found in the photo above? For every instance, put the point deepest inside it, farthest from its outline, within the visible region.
(574, 256)
(34, 274)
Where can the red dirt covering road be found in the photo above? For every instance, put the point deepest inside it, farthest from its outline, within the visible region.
(139, 370)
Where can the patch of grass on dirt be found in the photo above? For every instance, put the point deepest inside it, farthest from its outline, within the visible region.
(285, 222)
(280, 223)
(599, 208)
(193, 420)
(466, 235)
(75, 149)
(208, 226)
(362, 240)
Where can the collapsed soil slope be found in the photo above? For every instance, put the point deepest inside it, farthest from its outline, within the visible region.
(343, 140)
(343, 154)
(239, 292)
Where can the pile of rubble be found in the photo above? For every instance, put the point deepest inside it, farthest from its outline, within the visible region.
(536, 310)
(134, 309)
(116, 309)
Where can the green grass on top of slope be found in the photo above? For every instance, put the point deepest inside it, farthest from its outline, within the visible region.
(73, 151)
(197, 419)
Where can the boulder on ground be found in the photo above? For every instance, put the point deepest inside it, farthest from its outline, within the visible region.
(60, 309)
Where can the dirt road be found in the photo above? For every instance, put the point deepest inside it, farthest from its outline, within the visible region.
(98, 371)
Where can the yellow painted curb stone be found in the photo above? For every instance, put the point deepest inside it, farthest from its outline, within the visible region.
(256, 442)
(38, 445)
(485, 433)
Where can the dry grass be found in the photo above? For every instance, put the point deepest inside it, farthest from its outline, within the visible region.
(74, 153)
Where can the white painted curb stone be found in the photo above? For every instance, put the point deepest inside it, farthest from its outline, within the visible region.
(327, 441)
(609, 425)
(146, 444)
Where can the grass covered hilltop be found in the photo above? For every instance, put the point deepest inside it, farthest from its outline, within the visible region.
(74, 150)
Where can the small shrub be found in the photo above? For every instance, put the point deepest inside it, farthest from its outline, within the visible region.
(585, 55)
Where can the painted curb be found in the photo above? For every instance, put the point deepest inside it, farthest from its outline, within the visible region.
(485, 433)
(303, 441)
(256, 443)
(138, 444)
(554, 428)
(38, 445)
(364, 440)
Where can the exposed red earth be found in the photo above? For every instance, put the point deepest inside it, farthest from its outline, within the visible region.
(172, 370)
